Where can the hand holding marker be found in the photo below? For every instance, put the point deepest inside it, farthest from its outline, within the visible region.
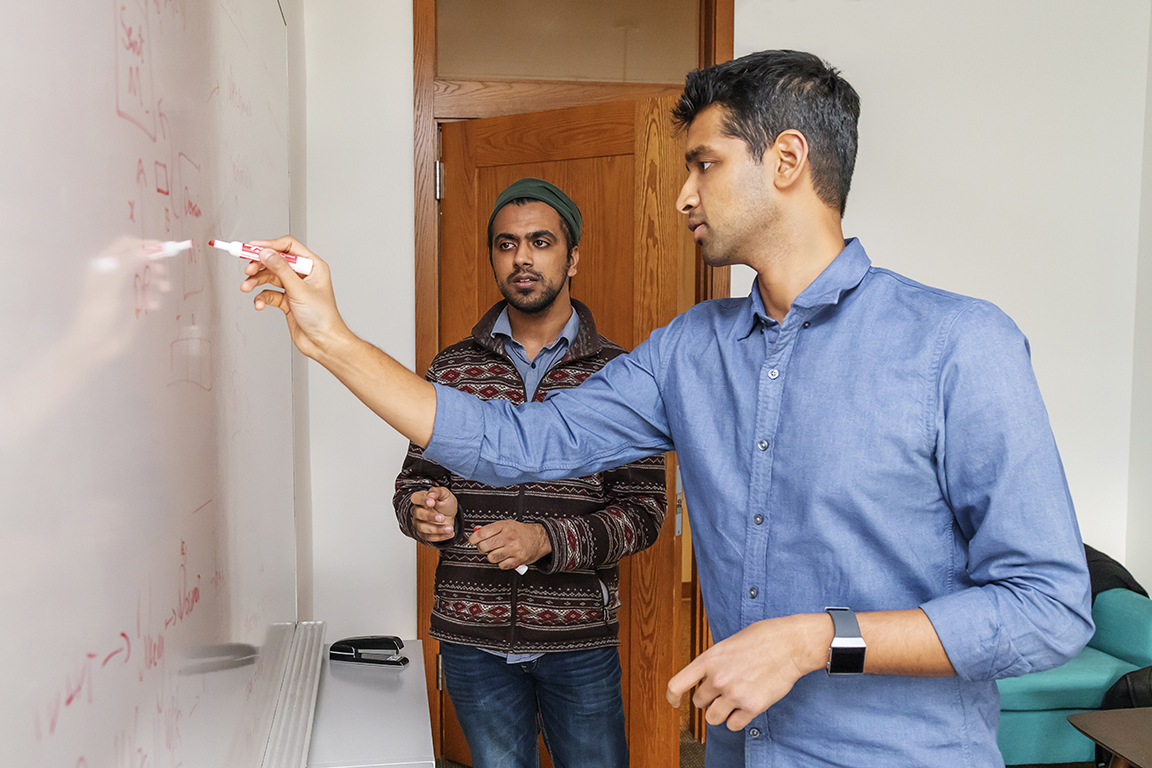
(302, 265)
(520, 569)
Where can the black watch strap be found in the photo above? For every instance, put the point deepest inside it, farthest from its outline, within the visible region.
(844, 621)
(846, 654)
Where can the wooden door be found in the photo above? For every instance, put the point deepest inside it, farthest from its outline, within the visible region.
(623, 165)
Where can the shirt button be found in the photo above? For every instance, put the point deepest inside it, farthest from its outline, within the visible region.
(754, 732)
(758, 519)
(762, 445)
(806, 324)
(772, 374)
(752, 593)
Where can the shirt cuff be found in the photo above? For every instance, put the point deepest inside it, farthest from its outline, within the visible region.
(969, 628)
(457, 431)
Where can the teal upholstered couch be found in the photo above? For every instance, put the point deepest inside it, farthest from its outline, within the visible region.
(1034, 708)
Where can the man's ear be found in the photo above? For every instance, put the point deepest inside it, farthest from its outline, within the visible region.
(789, 156)
(573, 258)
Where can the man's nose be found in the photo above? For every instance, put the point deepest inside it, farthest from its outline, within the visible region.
(688, 198)
(523, 255)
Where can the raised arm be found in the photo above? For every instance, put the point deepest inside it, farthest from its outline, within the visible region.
(391, 391)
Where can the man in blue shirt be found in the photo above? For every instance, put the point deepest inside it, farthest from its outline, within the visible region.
(850, 440)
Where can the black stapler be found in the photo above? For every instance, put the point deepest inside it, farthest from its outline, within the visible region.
(369, 649)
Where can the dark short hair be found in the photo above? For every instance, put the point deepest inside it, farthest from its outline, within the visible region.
(565, 229)
(767, 93)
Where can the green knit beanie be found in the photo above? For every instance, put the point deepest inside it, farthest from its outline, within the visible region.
(549, 194)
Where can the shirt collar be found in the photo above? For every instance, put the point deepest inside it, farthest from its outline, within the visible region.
(503, 328)
(838, 278)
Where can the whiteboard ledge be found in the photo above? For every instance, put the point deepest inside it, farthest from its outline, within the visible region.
(292, 724)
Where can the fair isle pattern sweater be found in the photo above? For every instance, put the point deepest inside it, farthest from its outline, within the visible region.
(569, 598)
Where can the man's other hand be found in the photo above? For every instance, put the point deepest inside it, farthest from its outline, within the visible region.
(745, 674)
(434, 514)
(509, 543)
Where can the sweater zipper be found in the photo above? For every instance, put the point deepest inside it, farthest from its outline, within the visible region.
(515, 580)
(517, 516)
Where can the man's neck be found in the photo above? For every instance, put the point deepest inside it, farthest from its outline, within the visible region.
(539, 329)
(794, 260)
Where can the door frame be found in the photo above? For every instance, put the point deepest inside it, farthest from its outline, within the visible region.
(438, 101)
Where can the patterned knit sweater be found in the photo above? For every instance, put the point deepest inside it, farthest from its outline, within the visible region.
(569, 598)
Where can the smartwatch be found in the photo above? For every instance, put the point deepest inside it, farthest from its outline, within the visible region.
(846, 654)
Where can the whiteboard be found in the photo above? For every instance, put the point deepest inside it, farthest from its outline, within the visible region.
(147, 551)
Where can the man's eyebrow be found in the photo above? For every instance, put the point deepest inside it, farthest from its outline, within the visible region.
(530, 236)
(700, 149)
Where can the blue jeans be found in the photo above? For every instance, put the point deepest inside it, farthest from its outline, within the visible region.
(574, 695)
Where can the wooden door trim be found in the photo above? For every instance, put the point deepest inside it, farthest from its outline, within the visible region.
(461, 99)
(427, 286)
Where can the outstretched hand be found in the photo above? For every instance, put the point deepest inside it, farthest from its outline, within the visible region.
(308, 304)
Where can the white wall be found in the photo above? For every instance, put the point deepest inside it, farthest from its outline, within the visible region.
(1140, 485)
(1000, 147)
(360, 218)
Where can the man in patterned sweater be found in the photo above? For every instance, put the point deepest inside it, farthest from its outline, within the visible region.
(526, 588)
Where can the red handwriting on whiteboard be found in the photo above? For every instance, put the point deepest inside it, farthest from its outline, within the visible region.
(134, 67)
(153, 653)
(131, 38)
(240, 174)
(76, 682)
(190, 208)
(141, 283)
(172, 717)
(127, 749)
(236, 98)
(126, 649)
(189, 175)
(186, 599)
(161, 177)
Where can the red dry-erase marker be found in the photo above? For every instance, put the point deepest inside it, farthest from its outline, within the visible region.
(301, 264)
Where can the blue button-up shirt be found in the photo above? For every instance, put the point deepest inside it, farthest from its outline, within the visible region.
(532, 371)
(885, 447)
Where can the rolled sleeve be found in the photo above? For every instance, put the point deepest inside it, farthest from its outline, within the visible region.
(457, 430)
(1022, 600)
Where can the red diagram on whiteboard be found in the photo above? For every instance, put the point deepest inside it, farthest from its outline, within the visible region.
(162, 178)
(134, 97)
(188, 207)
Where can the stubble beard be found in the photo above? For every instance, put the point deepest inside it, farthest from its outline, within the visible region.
(717, 253)
(530, 305)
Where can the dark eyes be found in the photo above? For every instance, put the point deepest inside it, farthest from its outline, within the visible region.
(505, 245)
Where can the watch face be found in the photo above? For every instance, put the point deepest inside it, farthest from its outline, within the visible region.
(846, 661)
